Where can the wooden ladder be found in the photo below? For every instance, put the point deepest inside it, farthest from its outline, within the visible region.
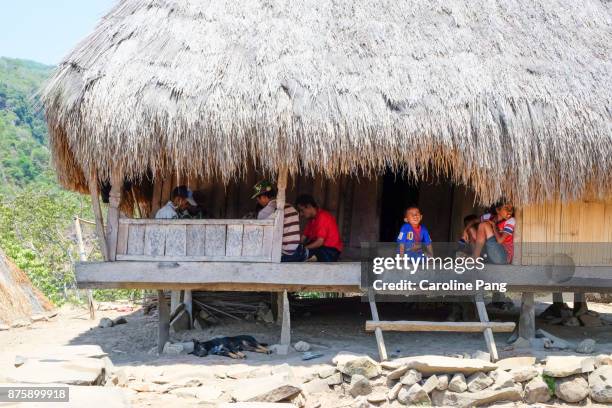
(484, 326)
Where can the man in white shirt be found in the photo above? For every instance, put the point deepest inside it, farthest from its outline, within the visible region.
(179, 202)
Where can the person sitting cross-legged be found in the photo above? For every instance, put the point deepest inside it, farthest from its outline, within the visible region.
(321, 236)
(291, 250)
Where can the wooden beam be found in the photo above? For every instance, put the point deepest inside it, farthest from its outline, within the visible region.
(420, 326)
(83, 258)
(113, 213)
(188, 302)
(97, 210)
(285, 338)
(163, 330)
(527, 318)
(279, 219)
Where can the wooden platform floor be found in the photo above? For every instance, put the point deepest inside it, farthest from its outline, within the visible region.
(325, 277)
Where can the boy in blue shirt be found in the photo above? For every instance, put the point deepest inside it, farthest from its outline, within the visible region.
(413, 238)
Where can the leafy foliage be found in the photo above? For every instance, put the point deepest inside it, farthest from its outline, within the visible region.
(36, 215)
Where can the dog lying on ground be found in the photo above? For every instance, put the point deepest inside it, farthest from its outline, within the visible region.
(229, 346)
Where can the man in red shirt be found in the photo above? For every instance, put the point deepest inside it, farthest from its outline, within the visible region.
(321, 237)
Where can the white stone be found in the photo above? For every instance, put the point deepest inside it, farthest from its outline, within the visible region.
(443, 380)
(301, 346)
(431, 384)
(188, 347)
(572, 389)
(4, 327)
(316, 386)
(563, 366)
(557, 342)
(537, 391)
(394, 391)
(586, 346)
(469, 399)
(280, 349)
(482, 355)
(266, 389)
(416, 395)
(515, 362)
(326, 372)
(173, 349)
(603, 359)
(334, 379)
(356, 364)
(359, 385)
(202, 394)
(523, 374)
(411, 377)
(433, 364)
(457, 383)
(600, 384)
(80, 371)
(478, 382)
(502, 379)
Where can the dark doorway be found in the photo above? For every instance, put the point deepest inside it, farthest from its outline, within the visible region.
(398, 193)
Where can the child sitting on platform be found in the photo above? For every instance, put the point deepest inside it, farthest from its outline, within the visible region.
(413, 238)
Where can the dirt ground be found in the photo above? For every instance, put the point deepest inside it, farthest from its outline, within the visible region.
(331, 327)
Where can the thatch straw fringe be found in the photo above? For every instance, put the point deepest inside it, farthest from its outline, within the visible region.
(511, 98)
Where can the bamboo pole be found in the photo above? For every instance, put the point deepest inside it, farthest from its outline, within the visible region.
(97, 210)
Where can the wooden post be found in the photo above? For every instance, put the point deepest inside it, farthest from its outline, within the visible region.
(83, 258)
(97, 210)
(488, 333)
(188, 301)
(285, 339)
(380, 342)
(527, 318)
(113, 214)
(163, 333)
(279, 220)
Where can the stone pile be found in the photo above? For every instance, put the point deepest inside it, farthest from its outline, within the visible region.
(450, 381)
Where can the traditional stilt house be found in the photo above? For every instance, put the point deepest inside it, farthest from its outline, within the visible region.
(369, 106)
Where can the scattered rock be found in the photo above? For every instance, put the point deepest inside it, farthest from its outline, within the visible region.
(394, 391)
(411, 377)
(4, 327)
(377, 397)
(515, 362)
(501, 379)
(187, 346)
(431, 384)
(359, 385)
(301, 346)
(334, 379)
(326, 372)
(122, 377)
(482, 355)
(316, 386)
(563, 366)
(602, 360)
(432, 364)
(351, 365)
(397, 373)
(280, 349)
(266, 389)
(448, 398)
(600, 383)
(140, 386)
(457, 383)
(572, 389)
(557, 342)
(413, 395)
(571, 322)
(478, 382)
(537, 391)
(79, 371)
(19, 361)
(589, 320)
(586, 346)
(202, 394)
(105, 322)
(443, 382)
(173, 349)
(361, 402)
(523, 374)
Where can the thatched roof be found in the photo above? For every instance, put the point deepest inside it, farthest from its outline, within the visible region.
(507, 96)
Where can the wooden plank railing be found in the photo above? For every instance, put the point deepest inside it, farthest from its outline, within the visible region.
(195, 240)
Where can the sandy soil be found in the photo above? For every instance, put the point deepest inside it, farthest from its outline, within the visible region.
(338, 325)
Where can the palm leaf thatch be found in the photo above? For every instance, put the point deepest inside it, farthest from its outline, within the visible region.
(509, 97)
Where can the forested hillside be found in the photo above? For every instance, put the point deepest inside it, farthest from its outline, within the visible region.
(36, 215)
